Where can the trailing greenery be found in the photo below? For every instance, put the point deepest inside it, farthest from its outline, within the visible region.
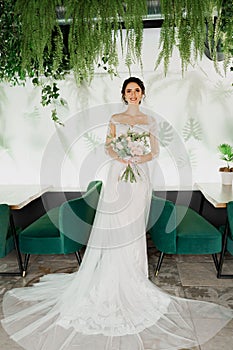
(10, 39)
(38, 25)
(224, 29)
(33, 44)
(189, 25)
(93, 31)
(20, 60)
(44, 40)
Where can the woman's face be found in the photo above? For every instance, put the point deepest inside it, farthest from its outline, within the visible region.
(133, 93)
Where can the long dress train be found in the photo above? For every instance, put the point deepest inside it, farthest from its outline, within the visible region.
(109, 303)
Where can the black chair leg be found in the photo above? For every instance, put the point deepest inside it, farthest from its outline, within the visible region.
(161, 256)
(25, 265)
(78, 256)
(222, 255)
(215, 258)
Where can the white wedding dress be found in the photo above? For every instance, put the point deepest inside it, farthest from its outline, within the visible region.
(109, 303)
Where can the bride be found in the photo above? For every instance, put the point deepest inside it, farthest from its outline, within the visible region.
(109, 303)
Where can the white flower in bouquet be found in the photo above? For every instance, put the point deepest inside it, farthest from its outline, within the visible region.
(130, 145)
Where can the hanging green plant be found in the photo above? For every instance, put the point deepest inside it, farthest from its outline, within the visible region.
(44, 40)
(32, 40)
(94, 30)
(224, 31)
(93, 33)
(39, 32)
(10, 38)
(108, 66)
(189, 24)
(16, 67)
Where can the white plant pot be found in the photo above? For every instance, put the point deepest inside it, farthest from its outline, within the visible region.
(227, 178)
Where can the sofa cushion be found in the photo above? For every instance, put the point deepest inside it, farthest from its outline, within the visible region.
(42, 235)
(195, 235)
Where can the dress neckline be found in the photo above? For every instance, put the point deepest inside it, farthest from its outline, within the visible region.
(132, 125)
(128, 124)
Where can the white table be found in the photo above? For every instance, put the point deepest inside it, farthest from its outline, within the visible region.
(218, 195)
(18, 196)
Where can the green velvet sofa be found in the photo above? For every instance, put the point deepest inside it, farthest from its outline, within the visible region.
(177, 229)
(52, 233)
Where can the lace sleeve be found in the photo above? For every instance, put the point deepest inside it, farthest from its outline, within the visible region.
(154, 137)
(111, 132)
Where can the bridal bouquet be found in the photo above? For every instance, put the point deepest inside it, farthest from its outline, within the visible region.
(128, 145)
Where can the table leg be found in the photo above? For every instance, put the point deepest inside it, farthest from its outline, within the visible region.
(18, 254)
(222, 255)
(201, 204)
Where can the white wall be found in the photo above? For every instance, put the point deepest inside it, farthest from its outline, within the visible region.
(195, 111)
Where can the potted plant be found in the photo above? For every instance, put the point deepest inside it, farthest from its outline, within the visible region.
(226, 154)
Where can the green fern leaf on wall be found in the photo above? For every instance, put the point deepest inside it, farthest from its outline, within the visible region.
(193, 129)
(188, 159)
(92, 141)
(221, 91)
(182, 161)
(165, 133)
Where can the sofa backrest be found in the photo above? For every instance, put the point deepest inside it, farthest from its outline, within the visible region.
(162, 224)
(76, 216)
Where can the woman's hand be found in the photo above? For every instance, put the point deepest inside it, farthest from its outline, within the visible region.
(122, 160)
(127, 161)
(141, 159)
(135, 160)
(132, 160)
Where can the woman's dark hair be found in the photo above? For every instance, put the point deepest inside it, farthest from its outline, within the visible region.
(132, 80)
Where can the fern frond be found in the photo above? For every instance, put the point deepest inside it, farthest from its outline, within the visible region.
(193, 129)
(188, 159)
(165, 133)
(92, 140)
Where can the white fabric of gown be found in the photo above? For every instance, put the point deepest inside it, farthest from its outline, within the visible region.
(109, 303)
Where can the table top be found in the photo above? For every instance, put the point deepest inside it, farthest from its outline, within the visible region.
(216, 193)
(17, 196)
